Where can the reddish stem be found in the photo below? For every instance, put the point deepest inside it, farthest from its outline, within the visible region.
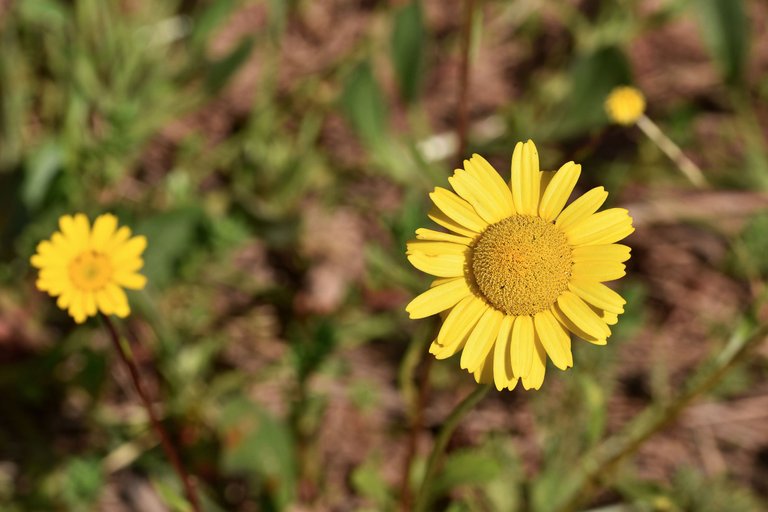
(165, 441)
(462, 124)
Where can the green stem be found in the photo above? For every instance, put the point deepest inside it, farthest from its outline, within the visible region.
(414, 395)
(453, 420)
(600, 461)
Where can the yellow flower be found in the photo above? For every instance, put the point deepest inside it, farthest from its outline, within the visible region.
(625, 105)
(519, 272)
(87, 269)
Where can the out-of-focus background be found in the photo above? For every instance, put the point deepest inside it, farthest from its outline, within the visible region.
(277, 155)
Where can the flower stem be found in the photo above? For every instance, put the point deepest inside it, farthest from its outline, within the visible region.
(170, 452)
(689, 169)
(438, 450)
(418, 397)
(605, 456)
(463, 100)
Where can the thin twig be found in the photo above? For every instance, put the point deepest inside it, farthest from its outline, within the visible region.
(165, 442)
(463, 101)
(436, 457)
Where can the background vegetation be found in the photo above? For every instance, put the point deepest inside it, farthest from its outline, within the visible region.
(278, 154)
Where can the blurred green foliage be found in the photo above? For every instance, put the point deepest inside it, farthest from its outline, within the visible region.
(187, 120)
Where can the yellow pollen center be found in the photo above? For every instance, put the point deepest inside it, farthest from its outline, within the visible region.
(521, 264)
(90, 271)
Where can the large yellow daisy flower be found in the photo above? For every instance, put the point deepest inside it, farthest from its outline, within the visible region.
(519, 272)
(87, 269)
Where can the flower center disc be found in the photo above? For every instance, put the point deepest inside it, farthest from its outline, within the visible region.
(90, 271)
(522, 264)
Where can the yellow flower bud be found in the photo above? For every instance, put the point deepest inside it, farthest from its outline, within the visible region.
(625, 105)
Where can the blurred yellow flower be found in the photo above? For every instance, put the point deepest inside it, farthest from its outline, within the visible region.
(87, 269)
(520, 271)
(625, 105)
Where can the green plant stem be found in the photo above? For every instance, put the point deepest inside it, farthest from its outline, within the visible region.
(170, 452)
(438, 450)
(416, 397)
(600, 461)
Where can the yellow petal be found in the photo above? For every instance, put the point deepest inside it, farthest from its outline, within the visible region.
(558, 191)
(437, 216)
(598, 295)
(481, 340)
(90, 303)
(118, 299)
(131, 280)
(554, 339)
(76, 229)
(545, 178)
(104, 302)
(457, 209)
(446, 265)
(131, 249)
(439, 236)
(458, 325)
(581, 208)
(581, 315)
(128, 265)
(570, 326)
(430, 248)
(521, 348)
(601, 228)
(473, 191)
(525, 178)
(494, 184)
(535, 377)
(65, 299)
(607, 252)
(103, 229)
(598, 271)
(118, 239)
(77, 306)
(438, 299)
(484, 372)
(609, 318)
(503, 376)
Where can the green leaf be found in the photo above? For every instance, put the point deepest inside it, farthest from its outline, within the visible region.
(170, 236)
(258, 444)
(466, 467)
(364, 106)
(209, 19)
(310, 352)
(42, 168)
(408, 44)
(725, 29)
(368, 482)
(593, 75)
(48, 13)
(82, 480)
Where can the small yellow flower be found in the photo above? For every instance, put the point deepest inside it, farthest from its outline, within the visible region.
(87, 269)
(625, 105)
(520, 271)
